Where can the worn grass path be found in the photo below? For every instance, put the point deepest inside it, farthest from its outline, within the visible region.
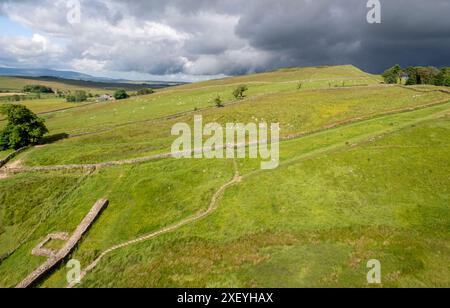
(213, 205)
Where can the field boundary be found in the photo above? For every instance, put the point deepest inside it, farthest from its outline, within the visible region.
(12, 155)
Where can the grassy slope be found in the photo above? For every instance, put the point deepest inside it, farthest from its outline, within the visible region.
(131, 128)
(296, 112)
(316, 226)
(143, 198)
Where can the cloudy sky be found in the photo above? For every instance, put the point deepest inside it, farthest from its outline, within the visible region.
(198, 39)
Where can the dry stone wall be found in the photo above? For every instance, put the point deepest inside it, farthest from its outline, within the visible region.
(68, 247)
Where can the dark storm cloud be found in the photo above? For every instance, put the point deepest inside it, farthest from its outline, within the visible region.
(198, 37)
(335, 32)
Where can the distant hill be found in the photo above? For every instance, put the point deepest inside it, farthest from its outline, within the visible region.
(48, 73)
(4, 71)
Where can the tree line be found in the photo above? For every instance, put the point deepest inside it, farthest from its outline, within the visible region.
(418, 75)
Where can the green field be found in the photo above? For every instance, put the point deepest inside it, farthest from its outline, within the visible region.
(365, 175)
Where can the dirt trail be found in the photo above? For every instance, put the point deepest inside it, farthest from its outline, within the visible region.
(14, 165)
(213, 205)
(4, 171)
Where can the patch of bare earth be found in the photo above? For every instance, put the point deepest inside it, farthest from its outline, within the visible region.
(15, 164)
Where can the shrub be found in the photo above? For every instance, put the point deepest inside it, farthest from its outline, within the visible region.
(218, 102)
(146, 91)
(238, 93)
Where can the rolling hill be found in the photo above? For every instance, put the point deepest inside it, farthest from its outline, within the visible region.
(16, 84)
(363, 175)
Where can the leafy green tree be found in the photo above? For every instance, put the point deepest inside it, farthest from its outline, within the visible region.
(23, 128)
(427, 75)
(121, 94)
(392, 75)
(239, 92)
(443, 78)
(77, 97)
(412, 76)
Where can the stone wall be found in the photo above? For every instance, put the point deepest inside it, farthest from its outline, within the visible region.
(12, 155)
(68, 247)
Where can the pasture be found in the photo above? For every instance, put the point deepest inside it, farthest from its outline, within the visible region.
(363, 175)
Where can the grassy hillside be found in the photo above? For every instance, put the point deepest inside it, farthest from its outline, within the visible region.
(363, 176)
(45, 103)
(16, 84)
(12, 84)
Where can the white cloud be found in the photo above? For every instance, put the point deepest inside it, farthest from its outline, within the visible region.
(32, 51)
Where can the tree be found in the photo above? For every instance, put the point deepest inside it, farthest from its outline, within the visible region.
(218, 102)
(443, 78)
(238, 93)
(392, 75)
(77, 97)
(427, 74)
(121, 94)
(412, 76)
(23, 128)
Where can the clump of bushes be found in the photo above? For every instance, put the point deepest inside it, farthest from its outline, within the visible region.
(37, 89)
(121, 94)
(77, 97)
(145, 91)
(23, 128)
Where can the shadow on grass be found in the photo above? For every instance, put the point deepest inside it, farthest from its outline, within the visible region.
(53, 138)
